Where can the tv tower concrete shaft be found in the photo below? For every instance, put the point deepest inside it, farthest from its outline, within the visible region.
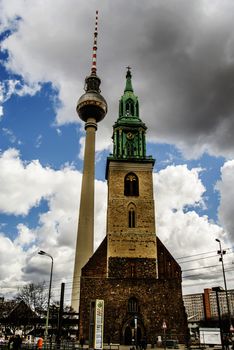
(91, 108)
(85, 232)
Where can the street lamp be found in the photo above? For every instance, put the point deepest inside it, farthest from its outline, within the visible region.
(221, 253)
(41, 252)
(217, 290)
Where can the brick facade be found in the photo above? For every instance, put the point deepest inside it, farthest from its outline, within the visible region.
(132, 271)
(158, 299)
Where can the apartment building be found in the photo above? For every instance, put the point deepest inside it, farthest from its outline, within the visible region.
(203, 306)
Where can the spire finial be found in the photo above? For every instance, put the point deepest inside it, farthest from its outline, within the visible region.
(128, 86)
(128, 72)
(94, 56)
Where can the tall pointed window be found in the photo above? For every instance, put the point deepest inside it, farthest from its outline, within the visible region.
(131, 185)
(130, 107)
(137, 109)
(131, 215)
(121, 108)
(131, 218)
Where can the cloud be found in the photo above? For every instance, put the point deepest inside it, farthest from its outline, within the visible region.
(25, 236)
(24, 185)
(11, 87)
(177, 191)
(226, 190)
(12, 256)
(182, 57)
(178, 181)
(10, 136)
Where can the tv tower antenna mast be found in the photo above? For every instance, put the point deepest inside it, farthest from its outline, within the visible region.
(94, 57)
(91, 108)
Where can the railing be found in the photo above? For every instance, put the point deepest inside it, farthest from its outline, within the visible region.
(63, 345)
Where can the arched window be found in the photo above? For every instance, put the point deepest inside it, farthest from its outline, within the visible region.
(129, 107)
(133, 305)
(130, 148)
(137, 109)
(131, 218)
(131, 215)
(121, 107)
(131, 185)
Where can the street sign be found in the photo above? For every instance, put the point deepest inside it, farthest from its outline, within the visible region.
(164, 326)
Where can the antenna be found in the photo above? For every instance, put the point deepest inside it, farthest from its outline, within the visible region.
(94, 57)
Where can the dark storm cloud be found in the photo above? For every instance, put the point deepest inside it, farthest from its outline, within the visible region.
(181, 53)
(183, 69)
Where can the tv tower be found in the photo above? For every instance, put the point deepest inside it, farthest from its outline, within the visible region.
(91, 108)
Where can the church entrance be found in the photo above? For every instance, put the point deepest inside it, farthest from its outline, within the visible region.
(128, 336)
(132, 335)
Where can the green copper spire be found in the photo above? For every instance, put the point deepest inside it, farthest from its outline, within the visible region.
(129, 131)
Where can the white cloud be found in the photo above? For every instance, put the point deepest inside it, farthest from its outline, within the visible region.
(15, 87)
(1, 112)
(10, 135)
(12, 259)
(25, 236)
(176, 189)
(38, 141)
(183, 232)
(25, 184)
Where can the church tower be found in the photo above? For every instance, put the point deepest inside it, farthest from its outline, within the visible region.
(131, 270)
(91, 108)
(130, 214)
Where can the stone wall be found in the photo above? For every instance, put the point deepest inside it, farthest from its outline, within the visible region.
(158, 300)
(132, 268)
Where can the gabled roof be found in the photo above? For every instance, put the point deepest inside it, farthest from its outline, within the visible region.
(13, 309)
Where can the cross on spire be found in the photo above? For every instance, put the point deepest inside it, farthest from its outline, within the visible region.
(128, 75)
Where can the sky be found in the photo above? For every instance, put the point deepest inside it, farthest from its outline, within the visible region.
(182, 58)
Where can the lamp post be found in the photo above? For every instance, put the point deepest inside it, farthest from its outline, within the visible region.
(41, 252)
(217, 290)
(221, 253)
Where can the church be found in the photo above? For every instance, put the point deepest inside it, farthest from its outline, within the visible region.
(132, 271)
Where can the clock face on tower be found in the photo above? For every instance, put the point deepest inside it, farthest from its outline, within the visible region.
(130, 136)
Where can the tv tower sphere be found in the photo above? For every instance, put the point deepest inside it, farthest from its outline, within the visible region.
(92, 104)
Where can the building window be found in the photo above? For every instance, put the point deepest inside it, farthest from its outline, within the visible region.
(131, 185)
(137, 109)
(129, 107)
(131, 218)
(121, 108)
(133, 305)
(132, 270)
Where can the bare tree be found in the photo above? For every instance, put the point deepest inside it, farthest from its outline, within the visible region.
(35, 295)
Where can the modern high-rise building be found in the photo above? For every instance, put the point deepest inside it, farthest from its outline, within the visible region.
(203, 306)
(132, 271)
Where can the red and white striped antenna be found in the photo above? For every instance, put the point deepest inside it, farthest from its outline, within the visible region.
(94, 56)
